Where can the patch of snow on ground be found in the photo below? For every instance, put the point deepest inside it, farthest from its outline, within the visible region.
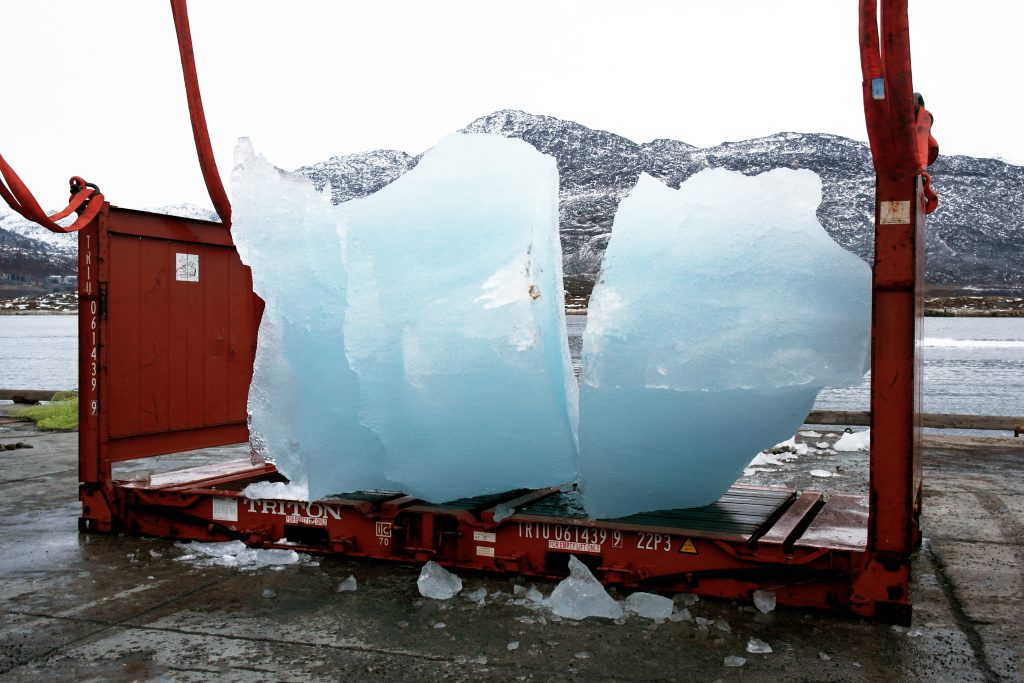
(857, 441)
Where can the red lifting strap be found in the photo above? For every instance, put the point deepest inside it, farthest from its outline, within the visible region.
(899, 127)
(195, 109)
(19, 198)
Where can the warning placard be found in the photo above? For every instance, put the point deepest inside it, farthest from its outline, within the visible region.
(688, 547)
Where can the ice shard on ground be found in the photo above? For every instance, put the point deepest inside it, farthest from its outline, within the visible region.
(720, 312)
(455, 325)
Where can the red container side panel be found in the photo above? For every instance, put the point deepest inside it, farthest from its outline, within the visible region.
(181, 324)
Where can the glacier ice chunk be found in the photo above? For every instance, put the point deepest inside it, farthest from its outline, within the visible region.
(580, 595)
(721, 310)
(349, 584)
(764, 601)
(413, 339)
(854, 441)
(304, 397)
(455, 324)
(649, 605)
(758, 647)
(437, 583)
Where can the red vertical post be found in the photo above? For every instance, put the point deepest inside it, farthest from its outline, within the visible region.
(93, 467)
(896, 127)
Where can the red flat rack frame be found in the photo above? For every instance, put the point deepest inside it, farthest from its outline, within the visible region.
(166, 360)
(168, 324)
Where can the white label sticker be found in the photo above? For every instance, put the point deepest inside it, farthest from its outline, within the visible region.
(485, 550)
(894, 213)
(225, 509)
(484, 537)
(572, 546)
(186, 267)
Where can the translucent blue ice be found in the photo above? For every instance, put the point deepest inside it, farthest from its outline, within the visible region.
(304, 397)
(455, 322)
(721, 310)
(413, 339)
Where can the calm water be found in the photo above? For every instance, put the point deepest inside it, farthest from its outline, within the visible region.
(38, 352)
(972, 365)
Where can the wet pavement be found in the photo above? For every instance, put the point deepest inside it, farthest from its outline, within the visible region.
(91, 607)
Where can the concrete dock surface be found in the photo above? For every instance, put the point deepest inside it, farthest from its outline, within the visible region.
(118, 608)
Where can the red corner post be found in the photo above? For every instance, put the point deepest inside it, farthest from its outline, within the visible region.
(899, 132)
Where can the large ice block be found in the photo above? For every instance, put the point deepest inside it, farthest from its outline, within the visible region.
(304, 397)
(721, 310)
(455, 326)
(412, 339)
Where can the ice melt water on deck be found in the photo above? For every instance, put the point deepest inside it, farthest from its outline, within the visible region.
(720, 312)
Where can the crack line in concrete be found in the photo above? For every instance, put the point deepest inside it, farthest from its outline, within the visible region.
(965, 623)
(37, 476)
(102, 623)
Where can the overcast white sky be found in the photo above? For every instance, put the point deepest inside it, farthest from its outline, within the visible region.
(95, 89)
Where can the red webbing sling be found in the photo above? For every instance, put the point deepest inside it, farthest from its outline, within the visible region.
(195, 109)
(19, 198)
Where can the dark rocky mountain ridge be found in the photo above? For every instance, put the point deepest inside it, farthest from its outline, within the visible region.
(976, 237)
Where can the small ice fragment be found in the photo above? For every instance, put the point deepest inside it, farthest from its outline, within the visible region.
(518, 589)
(502, 511)
(914, 633)
(723, 626)
(649, 605)
(764, 601)
(758, 647)
(823, 656)
(810, 435)
(269, 593)
(681, 615)
(701, 621)
(856, 441)
(403, 624)
(583, 655)
(154, 553)
(348, 584)
(476, 596)
(275, 556)
(580, 595)
(823, 474)
(276, 490)
(478, 660)
(440, 625)
(526, 620)
(514, 645)
(534, 595)
(437, 582)
(733, 660)
(822, 445)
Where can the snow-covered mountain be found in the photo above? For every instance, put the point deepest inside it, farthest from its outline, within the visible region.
(976, 237)
(29, 253)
